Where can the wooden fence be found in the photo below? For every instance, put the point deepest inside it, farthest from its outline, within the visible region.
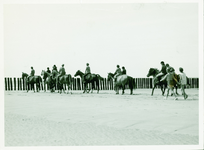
(140, 83)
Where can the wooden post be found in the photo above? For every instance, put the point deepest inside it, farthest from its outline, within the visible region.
(5, 83)
(18, 84)
(105, 84)
(197, 81)
(24, 84)
(193, 81)
(8, 84)
(11, 84)
(14, 84)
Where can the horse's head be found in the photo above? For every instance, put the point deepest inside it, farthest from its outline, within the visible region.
(152, 72)
(43, 73)
(78, 73)
(24, 75)
(100, 78)
(110, 76)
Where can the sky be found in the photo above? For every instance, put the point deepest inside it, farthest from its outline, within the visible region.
(137, 36)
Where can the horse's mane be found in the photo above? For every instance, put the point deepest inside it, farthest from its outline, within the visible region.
(112, 74)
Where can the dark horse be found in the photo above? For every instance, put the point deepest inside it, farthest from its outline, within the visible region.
(156, 80)
(63, 80)
(32, 80)
(89, 78)
(48, 80)
(121, 82)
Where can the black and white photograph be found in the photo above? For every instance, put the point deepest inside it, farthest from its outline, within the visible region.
(90, 74)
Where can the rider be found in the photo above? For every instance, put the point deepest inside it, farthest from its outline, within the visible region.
(169, 68)
(88, 70)
(48, 70)
(54, 68)
(61, 72)
(117, 72)
(163, 70)
(32, 73)
(123, 70)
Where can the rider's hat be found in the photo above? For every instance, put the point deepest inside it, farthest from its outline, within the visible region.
(62, 64)
(162, 62)
(118, 66)
(87, 64)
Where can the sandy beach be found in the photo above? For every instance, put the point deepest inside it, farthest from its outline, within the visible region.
(104, 119)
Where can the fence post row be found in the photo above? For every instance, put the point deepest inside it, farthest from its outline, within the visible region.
(20, 84)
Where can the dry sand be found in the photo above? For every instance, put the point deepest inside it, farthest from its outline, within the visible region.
(52, 119)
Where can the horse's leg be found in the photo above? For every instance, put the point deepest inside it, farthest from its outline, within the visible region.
(64, 87)
(97, 86)
(117, 90)
(162, 90)
(44, 86)
(153, 89)
(93, 87)
(123, 89)
(85, 87)
(33, 87)
(176, 87)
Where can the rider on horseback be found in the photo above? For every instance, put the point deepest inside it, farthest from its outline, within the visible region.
(48, 70)
(32, 74)
(117, 72)
(54, 69)
(123, 70)
(61, 72)
(87, 71)
(162, 71)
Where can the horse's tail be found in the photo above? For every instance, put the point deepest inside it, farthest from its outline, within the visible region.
(188, 81)
(68, 80)
(131, 82)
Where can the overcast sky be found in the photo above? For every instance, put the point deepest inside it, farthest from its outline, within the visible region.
(137, 36)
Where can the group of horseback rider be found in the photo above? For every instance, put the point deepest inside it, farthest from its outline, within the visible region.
(168, 73)
(87, 71)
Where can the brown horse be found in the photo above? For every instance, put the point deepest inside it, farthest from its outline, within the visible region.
(32, 80)
(163, 84)
(121, 82)
(48, 80)
(63, 80)
(89, 78)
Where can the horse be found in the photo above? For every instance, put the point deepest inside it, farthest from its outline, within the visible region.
(163, 84)
(48, 80)
(32, 80)
(89, 78)
(121, 82)
(63, 80)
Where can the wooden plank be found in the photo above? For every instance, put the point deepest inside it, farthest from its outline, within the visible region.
(105, 84)
(11, 83)
(20, 84)
(24, 84)
(6, 84)
(14, 83)
(18, 81)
